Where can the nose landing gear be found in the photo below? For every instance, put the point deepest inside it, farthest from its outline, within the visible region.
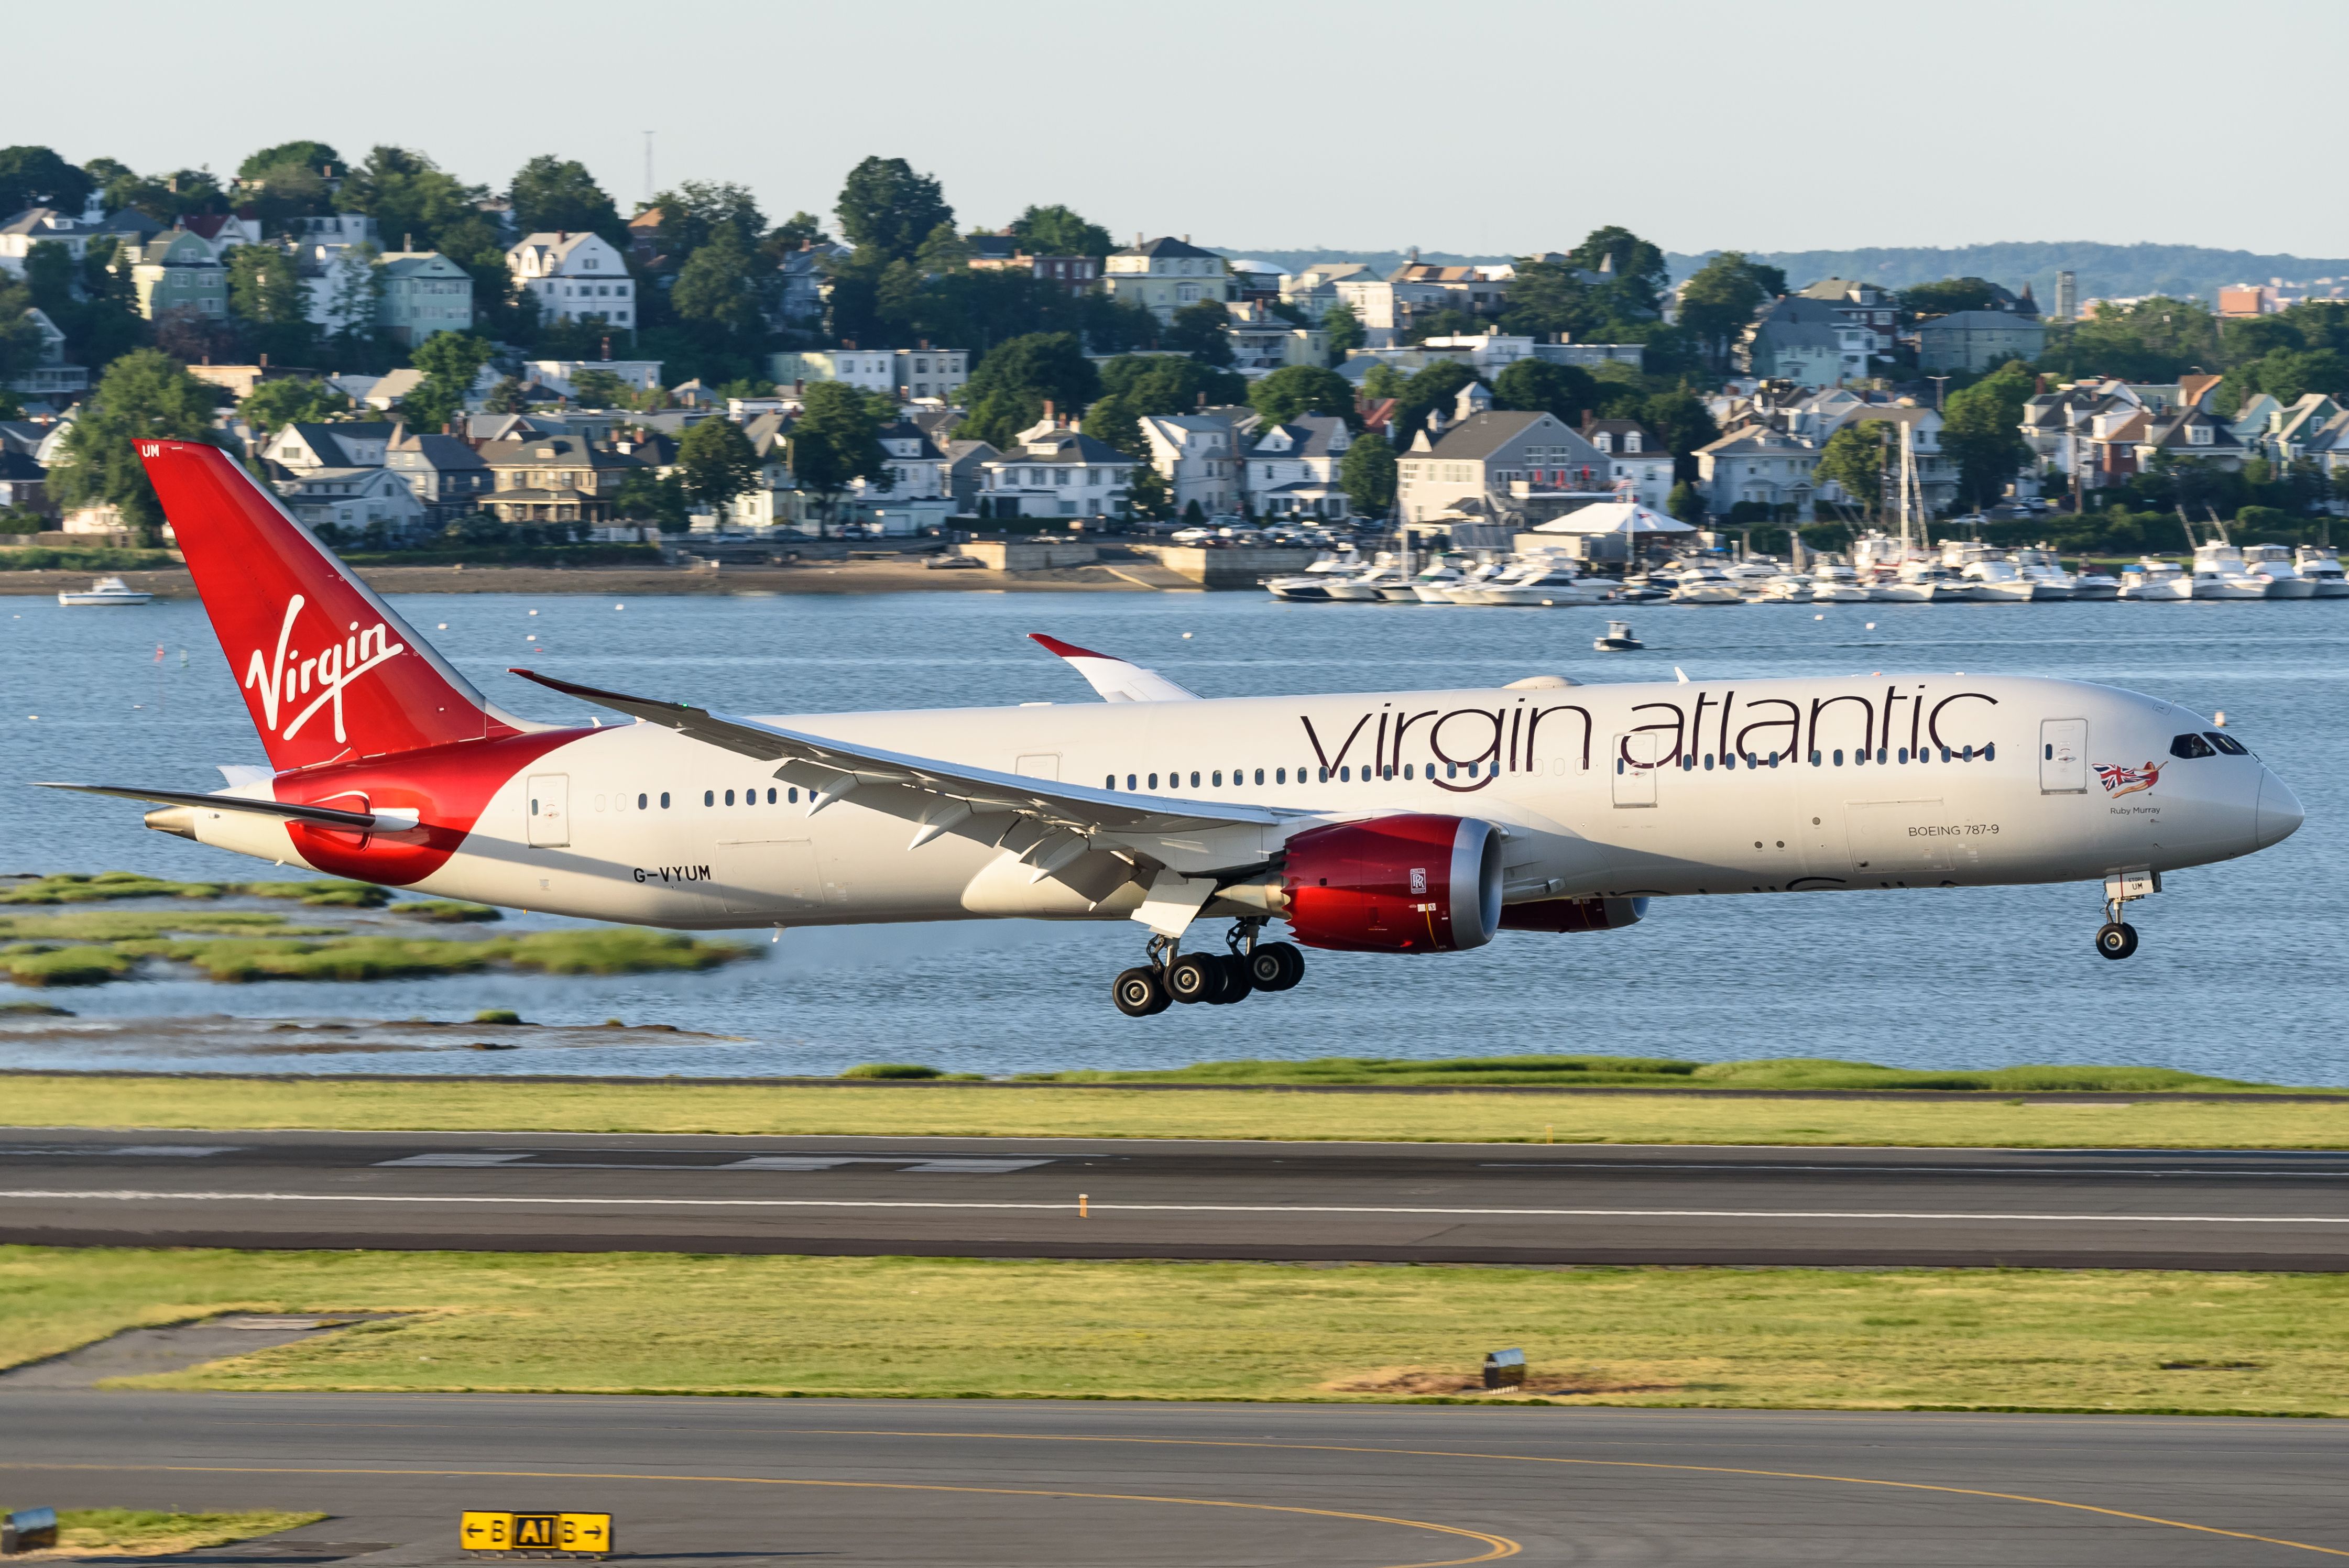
(2116, 938)
(1250, 966)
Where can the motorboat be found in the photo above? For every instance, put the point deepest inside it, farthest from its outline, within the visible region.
(1313, 583)
(1754, 571)
(1785, 588)
(1836, 583)
(2321, 566)
(1617, 639)
(1920, 581)
(2046, 575)
(1435, 580)
(2156, 582)
(2274, 562)
(105, 590)
(2220, 573)
(1991, 581)
(2093, 584)
(1706, 585)
(1470, 588)
(1555, 583)
(1369, 585)
(1642, 588)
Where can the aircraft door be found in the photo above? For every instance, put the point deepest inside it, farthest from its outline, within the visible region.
(1040, 765)
(2064, 757)
(550, 811)
(1635, 767)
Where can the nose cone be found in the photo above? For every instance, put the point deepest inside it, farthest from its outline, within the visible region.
(2280, 815)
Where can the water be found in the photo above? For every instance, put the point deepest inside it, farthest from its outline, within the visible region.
(2235, 976)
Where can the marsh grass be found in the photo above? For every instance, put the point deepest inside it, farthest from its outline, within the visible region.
(1592, 1072)
(137, 1532)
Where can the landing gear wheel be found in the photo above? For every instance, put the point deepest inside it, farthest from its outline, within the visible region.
(1195, 978)
(1276, 967)
(2117, 939)
(1140, 993)
(1235, 979)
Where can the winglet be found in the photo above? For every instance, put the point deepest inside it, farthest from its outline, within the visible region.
(1117, 680)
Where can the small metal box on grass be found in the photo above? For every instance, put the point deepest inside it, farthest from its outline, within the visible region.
(1504, 1368)
(28, 1530)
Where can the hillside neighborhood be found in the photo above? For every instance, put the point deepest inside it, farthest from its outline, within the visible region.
(414, 363)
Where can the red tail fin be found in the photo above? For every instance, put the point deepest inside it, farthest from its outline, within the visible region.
(329, 672)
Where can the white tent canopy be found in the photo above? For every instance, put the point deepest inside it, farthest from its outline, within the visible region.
(1615, 517)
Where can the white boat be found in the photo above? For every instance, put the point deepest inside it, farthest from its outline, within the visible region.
(2218, 573)
(2160, 582)
(1836, 583)
(1754, 571)
(1435, 580)
(1921, 581)
(1787, 588)
(2046, 575)
(2321, 566)
(2093, 584)
(1990, 580)
(2274, 562)
(1556, 585)
(1617, 639)
(105, 590)
(1706, 585)
(1313, 583)
(1369, 585)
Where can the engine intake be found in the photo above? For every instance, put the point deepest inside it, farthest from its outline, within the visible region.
(1415, 883)
(1574, 914)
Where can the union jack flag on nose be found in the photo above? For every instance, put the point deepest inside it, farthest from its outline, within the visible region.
(2117, 777)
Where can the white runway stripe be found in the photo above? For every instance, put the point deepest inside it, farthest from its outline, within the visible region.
(127, 1196)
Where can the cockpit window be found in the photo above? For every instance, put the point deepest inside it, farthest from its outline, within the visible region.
(2225, 743)
(2190, 746)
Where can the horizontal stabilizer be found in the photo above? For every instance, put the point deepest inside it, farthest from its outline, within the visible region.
(316, 816)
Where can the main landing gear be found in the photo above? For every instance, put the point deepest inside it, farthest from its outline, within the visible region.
(1222, 979)
(2116, 938)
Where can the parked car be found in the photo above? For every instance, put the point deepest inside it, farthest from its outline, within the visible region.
(956, 562)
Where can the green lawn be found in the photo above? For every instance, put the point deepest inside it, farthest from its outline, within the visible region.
(2272, 1343)
(887, 1108)
(137, 1532)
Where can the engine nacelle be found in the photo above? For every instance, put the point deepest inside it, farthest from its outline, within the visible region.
(1410, 883)
(1574, 914)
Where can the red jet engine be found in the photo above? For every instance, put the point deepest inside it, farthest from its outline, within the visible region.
(1408, 883)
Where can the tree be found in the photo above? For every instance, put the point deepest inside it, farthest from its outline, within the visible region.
(718, 288)
(1201, 331)
(555, 195)
(696, 212)
(1169, 383)
(644, 497)
(508, 397)
(1564, 391)
(1950, 296)
(2154, 339)
(1148, 495)
(315, 155)
(273, 405)
(1055, 230)
(1428, 390)
(450, 362)
(1366, 474)
(409, 197)
(1007, 391)
(718, 462)
(144, 394)
(837, 440)
(1719, 301)
(1637, 269)
(38, 177)
(1345, 329)
(355, 295)
(1115, 421)
(264, 289)
(1854, 457)
(1296, 389)
(1383, 380)
(1980, 431)
(20, 340)
(943, 251)
(1679, 419)
(799, 229)
(602, 390)
(1684, 503)
(885, 206)
(94, 303)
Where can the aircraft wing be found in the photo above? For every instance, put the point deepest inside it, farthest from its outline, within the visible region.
(1049, 824)
(1117, 680)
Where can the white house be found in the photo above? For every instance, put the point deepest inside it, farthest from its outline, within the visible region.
(1495, 462)
(1292, 468)
(1762, 466)
(352, 498)
(1198, 456)
(423, 292)
(904, 373)
(1057, 472)
(31, 227)
(306, 448)
(1166, 275)
(52, 376)
(559, 376)
(574, 276)
(1263, 343)
(1634, 460)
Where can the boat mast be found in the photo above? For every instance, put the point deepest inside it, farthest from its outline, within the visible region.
(1908, 489)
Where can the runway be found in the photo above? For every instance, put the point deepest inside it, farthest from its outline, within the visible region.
(714, 1483)
(1507, 1204)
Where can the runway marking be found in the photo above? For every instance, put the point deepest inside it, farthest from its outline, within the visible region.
(140, 1150)
(1501, 1545)
(133, 1195)
(1600, 1464)
(912, 1164)
(1769, 1166)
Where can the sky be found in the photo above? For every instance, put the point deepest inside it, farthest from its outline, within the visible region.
(1479, 126)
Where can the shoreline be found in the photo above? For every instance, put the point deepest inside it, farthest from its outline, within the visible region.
(851, 577)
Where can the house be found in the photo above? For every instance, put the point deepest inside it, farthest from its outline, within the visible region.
(1198, 457)
(1314, 291)
(966, 472)
(555, 478)
(303, 447)
(442, 472)
(1165, 274)
(776, 500)
(561, 376)
(917, 469)
(574, 276)
(1475, 290)
(1857, 305)
(52, 377)
(1969, 341)
(224, 230)
(1494, 463)
(1635, 461)
(1807, 342)
(337, 229)
(2290, 434)
(179, 271)
(37, 225)
(23, 484)
(1263, 343)
(1291, 470)
(1056, 472)
(1936, 475)
(423, 292)
(374, 499)
(1002, 253)
(1759, 465)
(800, 283)
(902, 373)
(2192, 433)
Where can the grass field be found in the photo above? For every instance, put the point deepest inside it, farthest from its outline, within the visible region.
(948, 1328)
(137, 1532)
(1649, 1072)
(972, 1110)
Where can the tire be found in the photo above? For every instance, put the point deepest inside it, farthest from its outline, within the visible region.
(1195, 978)
(1139, 993)
(1276, 967)
(2117, 939)
(1236, 985)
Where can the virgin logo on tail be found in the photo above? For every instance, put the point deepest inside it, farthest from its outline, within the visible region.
(295, 673)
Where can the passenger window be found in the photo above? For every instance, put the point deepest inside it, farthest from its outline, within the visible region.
(2185, 746)
(2225, 743)
(1129, 781)
(1817, 760)
(1388, 772)
(1904, 754)
(1154, 780)
(710, 796)
(1219, 778)
(1195, 779)
(1990, 752)
(664, 799)
(641, 802)
(729, 799)
(1406, 770)
(771, 797)
(1110, 782)
(1346, 774)
(1280, 774)
(1708, 762)
(1839, 757)
(1259, 775)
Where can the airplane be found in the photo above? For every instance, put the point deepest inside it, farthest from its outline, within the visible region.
(1400, 822)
